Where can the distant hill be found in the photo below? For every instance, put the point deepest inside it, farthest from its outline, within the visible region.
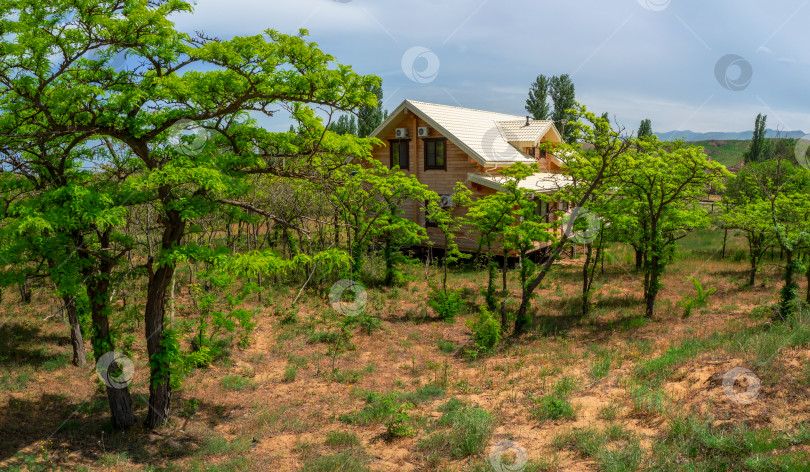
(724, 135)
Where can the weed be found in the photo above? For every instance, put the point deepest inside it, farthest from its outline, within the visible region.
(237, 383)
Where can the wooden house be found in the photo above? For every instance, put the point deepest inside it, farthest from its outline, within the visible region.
(442, 145)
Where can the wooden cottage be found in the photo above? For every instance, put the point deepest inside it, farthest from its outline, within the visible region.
(442, 145)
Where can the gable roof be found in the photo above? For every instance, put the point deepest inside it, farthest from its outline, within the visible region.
(483, 135)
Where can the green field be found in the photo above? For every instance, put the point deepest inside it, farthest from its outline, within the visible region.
(726, 152)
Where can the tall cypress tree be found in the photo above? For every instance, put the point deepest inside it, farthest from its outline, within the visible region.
(562, 95)
(645, 128)
(537, 103)
(758, 149)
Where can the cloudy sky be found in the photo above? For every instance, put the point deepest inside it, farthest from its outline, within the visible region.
(702, 65)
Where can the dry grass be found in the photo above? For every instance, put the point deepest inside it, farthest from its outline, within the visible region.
(249, 412)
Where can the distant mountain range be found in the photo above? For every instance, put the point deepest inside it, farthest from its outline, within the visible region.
(725, 135)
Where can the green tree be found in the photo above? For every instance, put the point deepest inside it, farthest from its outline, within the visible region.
(370, 117)
(667, 180)
(345, 124)
(745, 208)
(589, 171)
(564, 100)
(537, 103)
(58, 78)
(645, 129)
(758, 148)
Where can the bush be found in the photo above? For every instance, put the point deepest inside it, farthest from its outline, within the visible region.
(701, 295)
(486, 330)
(446, 304)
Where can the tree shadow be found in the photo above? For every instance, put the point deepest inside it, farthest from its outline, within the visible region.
(18, 341)
(57, 429)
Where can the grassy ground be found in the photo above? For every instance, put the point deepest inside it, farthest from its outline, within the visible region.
(611, 391)
(726, 152)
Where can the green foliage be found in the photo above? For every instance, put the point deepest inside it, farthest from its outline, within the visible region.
(645, 129)
(351, 460)
(486, 330)
(698, 300)
(625, 456)
(446, 304)
(463, 430)
(398, 424)
(237, 383)
(555, 405)
(758, 147)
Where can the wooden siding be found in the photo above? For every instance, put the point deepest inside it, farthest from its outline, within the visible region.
(441, 181)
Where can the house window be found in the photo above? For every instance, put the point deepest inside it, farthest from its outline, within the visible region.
(399, 153)
(530, 151)
(436, 153)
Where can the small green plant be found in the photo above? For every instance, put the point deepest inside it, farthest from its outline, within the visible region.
(701, 296)
(486, 330)
(341, 439)
(446, 346)
(447, 304)
(555, 405)
(399, 423)
(237, 383)
(464, 430)
(289, 373)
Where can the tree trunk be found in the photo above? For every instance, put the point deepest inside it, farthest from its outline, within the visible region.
(25, 291)
(586, 283)
(639, 258)
(155, 313)
(725, 236)
(76, 338)
(118, 398)
(752, 276)
(651, 290)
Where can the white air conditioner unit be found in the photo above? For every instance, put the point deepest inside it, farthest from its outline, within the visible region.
(446, 201)
(402, 132)
(423, 131)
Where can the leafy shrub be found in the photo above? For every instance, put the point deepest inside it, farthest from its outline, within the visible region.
(739, 256)
(446, 346)
(486, 330)
(398, 423)
(689, 303)
(446, 304)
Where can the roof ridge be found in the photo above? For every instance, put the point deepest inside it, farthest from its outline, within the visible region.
(416, 102)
